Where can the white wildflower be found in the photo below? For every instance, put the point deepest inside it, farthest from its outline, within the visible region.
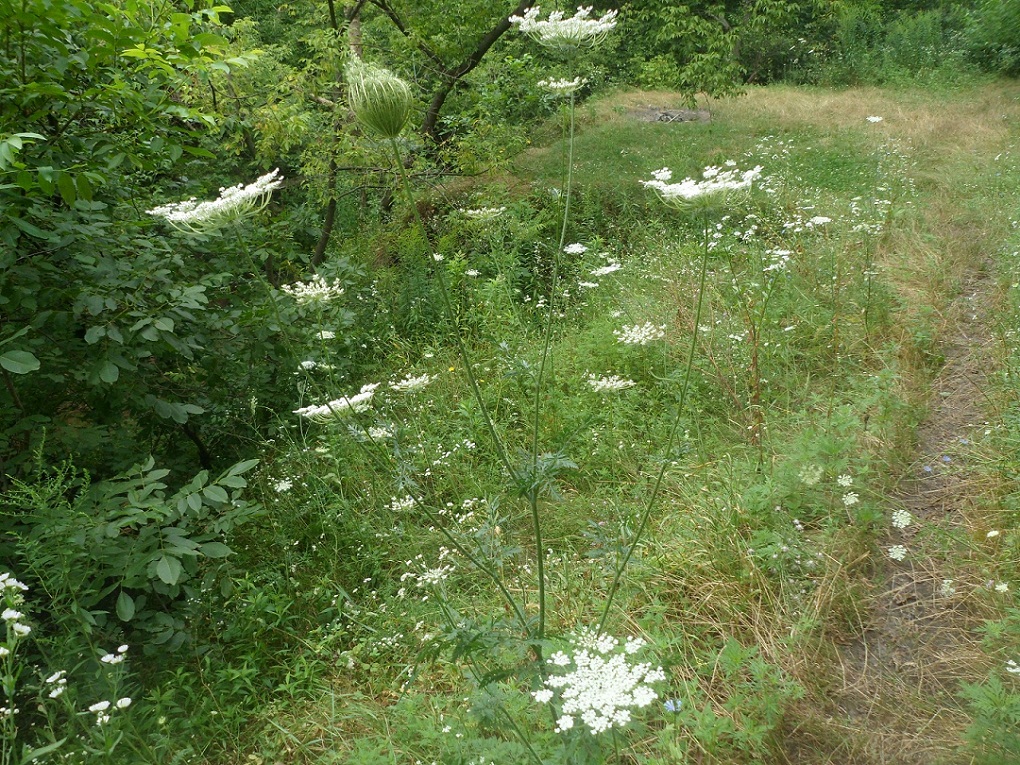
(410, 384)
(123, 703)
(1012, 667)
(566, 34)
(317, 290)
(483, 213)
(234, 203)
(10, 615)
(810, 474)
(850, 499)
(327, 334)
(713, 182)
(640, 334)
(874, 119)
(901, 518)
(897, 552)
(575, 249)
(992, 534)
(611, 383)
(562, 87)
(283, 485)
(21, 630)
(845, 481)
(606, 269)
(112, 658)
(602, 686)
(100, 706)
(946, 589)
(8, 582)
(819, 220)
(1002, 587)
(401, 505)
(340, 407)
(4, 651)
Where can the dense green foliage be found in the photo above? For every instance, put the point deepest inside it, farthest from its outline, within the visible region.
(146, 372)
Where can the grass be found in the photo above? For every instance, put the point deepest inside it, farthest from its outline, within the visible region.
(760, 586)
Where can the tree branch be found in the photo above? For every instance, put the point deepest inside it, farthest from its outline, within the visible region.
(451, 75)
(384, 6)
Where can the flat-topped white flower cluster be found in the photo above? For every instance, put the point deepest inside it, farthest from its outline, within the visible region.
(411, 383)
(317, 290)
(483, 213)
(562, 87)
(603, 685)
(566, 34)
(611, 383)
(639, 334)
(714, 180)
(341, 407)
(233, 203)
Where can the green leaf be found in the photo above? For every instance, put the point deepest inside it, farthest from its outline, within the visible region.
(125, 607)
(94, 334)
(109, 372)
(195, 501)
(30, 755)
(84, 188)
(242, 467)
(19, 362)
(215, 550)
(216, 494)
(28, 228)
(68, 192)
(169, 570)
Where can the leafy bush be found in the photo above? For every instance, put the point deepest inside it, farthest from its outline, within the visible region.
(123, 547)
(993, 35)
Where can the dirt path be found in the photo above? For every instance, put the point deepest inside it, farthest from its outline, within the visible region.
(900, 675)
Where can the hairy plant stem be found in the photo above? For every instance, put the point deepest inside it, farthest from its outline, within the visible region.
(618, 576)
(473, 381)
(536, 519)
(451, 316)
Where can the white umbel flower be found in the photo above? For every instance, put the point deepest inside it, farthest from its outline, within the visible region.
(563, 34)
(410, 383)
(317, 290)
(603, 684)
(233, 203)
(611, 383)
(640, 334)
(714, 181)
(562, 87)
(341, 407)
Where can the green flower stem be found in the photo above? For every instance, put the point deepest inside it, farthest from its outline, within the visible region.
(547, 342)
(436, 521)
(466, 360)
(444, 291)
(615, 586)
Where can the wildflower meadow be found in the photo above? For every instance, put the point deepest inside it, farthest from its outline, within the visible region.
(570, 385)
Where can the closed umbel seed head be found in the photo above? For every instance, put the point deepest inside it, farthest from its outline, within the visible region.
(380, 100)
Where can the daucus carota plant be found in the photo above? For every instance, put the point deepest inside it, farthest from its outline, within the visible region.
(565, 34)
(233, 204)
(599, 682)
(380, 100)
